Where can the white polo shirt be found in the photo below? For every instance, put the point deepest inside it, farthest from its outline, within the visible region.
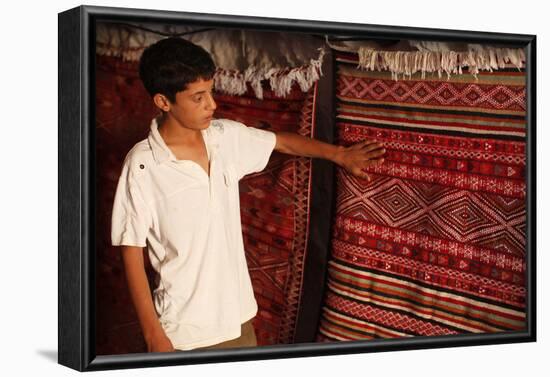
(190, 223)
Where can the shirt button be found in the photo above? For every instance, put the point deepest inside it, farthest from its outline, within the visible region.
(141, 166)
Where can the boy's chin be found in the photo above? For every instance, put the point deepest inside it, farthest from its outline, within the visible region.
(201, 125)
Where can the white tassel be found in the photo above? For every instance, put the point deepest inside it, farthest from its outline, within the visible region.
(407, 63)
(129, 46)
(281, 83)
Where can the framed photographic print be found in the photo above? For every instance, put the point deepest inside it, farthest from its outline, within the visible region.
(242, 188)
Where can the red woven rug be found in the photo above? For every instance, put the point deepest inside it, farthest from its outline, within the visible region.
(435, 243)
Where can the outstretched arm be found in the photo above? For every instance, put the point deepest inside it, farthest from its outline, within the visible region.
(353, 158)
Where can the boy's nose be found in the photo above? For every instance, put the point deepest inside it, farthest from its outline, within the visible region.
(212, 103)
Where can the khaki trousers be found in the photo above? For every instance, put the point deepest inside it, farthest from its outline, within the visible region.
(247, 339)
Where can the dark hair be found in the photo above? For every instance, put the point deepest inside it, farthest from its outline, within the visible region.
(167, 66)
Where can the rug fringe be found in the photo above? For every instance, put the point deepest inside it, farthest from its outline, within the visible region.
(234, 82)
(438, 58)
(280, 79)
(407, 63)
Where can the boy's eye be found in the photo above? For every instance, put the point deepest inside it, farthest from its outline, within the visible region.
(200, 97)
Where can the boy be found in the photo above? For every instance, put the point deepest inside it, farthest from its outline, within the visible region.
(178, 195)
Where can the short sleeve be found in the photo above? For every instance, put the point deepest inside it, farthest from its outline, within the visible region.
(131, 218)
(254, 147)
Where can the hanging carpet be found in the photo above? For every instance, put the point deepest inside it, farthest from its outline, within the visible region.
(435, 243)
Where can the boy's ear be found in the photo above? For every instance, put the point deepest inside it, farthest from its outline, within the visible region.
(161, 102)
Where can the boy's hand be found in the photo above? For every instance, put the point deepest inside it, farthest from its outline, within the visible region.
(159, 342)
(359, 156)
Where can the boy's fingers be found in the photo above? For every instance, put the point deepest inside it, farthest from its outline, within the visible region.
(363, 144)
(373, 153)
(377, 162)
(373, 161)
(379, 152)
(375, 146)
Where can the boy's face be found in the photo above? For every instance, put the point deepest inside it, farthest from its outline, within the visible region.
(193, 107)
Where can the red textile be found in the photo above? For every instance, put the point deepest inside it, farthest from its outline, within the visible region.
(435, 243)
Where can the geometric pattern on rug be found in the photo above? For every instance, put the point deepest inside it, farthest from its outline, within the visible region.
(435, 243)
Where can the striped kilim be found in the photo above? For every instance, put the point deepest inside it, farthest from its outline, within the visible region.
(435, 243)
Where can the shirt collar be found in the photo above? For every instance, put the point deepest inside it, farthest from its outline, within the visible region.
(161, 152)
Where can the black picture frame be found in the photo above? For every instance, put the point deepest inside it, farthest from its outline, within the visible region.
(76, 185)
